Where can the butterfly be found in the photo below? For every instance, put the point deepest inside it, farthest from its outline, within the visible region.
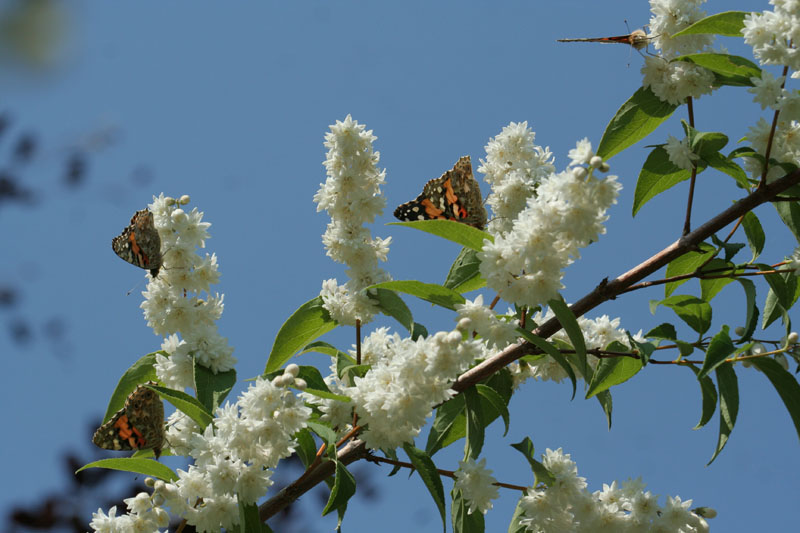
(137, 426)
(139, 243)
(455, 195)
(637, 39)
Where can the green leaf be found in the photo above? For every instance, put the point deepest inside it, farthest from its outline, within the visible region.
(664, 330)
(306, 447)
(658, 175)
(634, 120)
(728, 70)
(707, 143)
(709, 394)
(728, 405)
(430, 477)
(390, 304)
(729, 24)
(146, 467)
(720, 348)
(606, 402)
(321, 347)
(249, 521)
(694, 311)
(188, 405)
(465, 275)
(451, 230)
(785, 384)
(729, 167)
(710, 287)
(687, 263)
(344, 486)
(139, 372)
(570, 324)
(553, 352)
(754, 233)
(540, 473)
(446, 428)
(463, 521)
(495, 400)
(435, 294)
(325, 433)
(475, 423)
(612, 371)
(306, 324)
(730, 248)
(212, 388)
(790, 214)
(751, 319)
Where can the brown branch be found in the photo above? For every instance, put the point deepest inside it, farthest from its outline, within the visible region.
(356, 449)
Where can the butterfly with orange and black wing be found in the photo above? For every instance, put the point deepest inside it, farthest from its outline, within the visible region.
(137, 426)
(455, 195)
(139, 243)
(638, 39)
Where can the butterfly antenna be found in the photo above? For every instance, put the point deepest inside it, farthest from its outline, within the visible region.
(133, 288)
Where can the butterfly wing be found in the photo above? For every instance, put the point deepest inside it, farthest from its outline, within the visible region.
(455, 195)
(137, 426)
(139, 244)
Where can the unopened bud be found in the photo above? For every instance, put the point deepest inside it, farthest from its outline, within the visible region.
(596, 161)
(185, 199)
(300, 384)
(579, 172)
(292, 369)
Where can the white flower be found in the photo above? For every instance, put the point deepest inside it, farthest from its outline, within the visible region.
(497, 333)
(671, 16)
(581, 154)
(767, 89)
(785, 146)
(679, 153)
(351, 196)
(476, 484)
(789, 105)
(398, 393)
(514, 167)
(774, 35)
(524, 265)
(675, 81)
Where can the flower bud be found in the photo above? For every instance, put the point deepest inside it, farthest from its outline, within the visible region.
(596, 161)
(579, 172)
(300, 384)
(185, 199)
(292, 369)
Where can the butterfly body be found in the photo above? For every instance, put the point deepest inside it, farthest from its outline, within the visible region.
(139, 243)
(137, 426)
(637, 39)
(455, 195)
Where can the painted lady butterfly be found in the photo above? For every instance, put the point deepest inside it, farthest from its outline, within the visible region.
(137, 426)
(455, 195)
(139, 243)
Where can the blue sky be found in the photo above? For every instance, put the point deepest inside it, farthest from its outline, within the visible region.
(231, 105)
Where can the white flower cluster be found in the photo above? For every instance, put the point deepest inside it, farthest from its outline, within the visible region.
(172, 300)
(785, 146)
(234, 459)
(474, 316)
(566, 505)
(476, 484)
(514, 167)
(597, 334)
(143, 516)
(398, 393)
(774, 35)
(525, 265)
(671, 16)
(673, 82)
(351, 196)
(679, 153)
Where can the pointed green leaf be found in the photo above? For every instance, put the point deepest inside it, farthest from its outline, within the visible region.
(465, 275)
(139, 372)
(635, 120)
(475, 424)
(188, 405)
(540, 473)
(212, 388)
(451, 230)
(754, 233)
(687, 263)
(430, 477)
(710, 287)
(306, 447)
(658, 174)
(751, 319)
(785, 384)
(729, 167)
(430, 292)
(790, 214)
(720, 348)
(390, 304)
(519, 513)
(728, 404)
(570, 324)
(612, 371)
(344, 486)
(728, 70)
(495, 401)
(310, 321)
(709, 396)
(695, 312)
(606, 403)
(249, 521)
(729, 23)
(662, 331)
(446, 428)
(146, 467)
(553, 352)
